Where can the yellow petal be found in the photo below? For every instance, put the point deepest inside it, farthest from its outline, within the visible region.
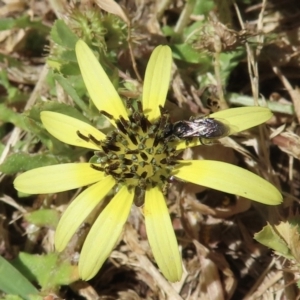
(79, 209)
(161, 235)
(100, 88)
(228, 178)
(157, 80)
(65, 129)
(242, 118)
(104, 234)
(57, 178)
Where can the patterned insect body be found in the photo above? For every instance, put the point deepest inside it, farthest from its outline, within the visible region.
(203, 128)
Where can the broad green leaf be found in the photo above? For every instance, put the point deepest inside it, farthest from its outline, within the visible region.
(274, 106)
(43, 217)
(11, 61)
(54, 63)
(62, 108)
(34, 125)
(69, 68)
(176, 37)
(289, 231)
(228, 61)
(48, 270)
(269, 237)
(12, 297)
(186, 53)
(13, 94)
(62, 35)
(13, 282)
(70, 91)
(203, 7)
(23, 21)
(9, 115)
(6, 23)
(70, 55)
(21, 161)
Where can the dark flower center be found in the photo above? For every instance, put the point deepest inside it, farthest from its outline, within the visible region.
(136, 153)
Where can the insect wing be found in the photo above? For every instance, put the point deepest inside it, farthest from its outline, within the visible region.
(188, 129)
(212, 128)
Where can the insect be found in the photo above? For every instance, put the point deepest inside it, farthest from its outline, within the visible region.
(203, 128)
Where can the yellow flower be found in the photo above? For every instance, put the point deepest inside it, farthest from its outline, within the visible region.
(134, 157)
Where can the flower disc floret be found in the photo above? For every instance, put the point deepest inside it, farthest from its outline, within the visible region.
(135, 153)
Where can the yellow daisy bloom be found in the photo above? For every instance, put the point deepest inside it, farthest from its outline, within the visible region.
(134, 157)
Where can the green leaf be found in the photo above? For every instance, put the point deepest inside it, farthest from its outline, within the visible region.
(186, 53)
(70, 91)
(228, 61)
(62, 108)
(9, 60)
(69, 68)
(70, 55)
(26, 22)
(172, 35)
(23, 21)
(62, 35)
(6, 23)
(194, 30)
(48, 270)
(23, 162)
(34, 125)
(9, 116)
(43, 217)
(54, 63)
(13, 282)
(13, 95)
(274, 106)
(269, 237)
(11, 297)
(203, 7)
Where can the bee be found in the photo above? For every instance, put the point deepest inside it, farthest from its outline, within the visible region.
(203, 128)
